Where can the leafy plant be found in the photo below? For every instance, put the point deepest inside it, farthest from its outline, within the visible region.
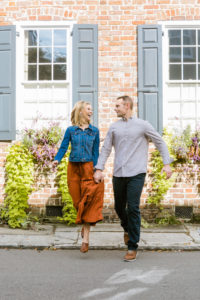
(69, 212)
(167, 220)
(19, 170)
(159, 184)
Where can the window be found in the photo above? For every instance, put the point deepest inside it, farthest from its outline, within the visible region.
(46, 55)
(182, 81)
(184, 54)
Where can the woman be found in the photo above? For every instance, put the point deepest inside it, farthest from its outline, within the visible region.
(87, 196)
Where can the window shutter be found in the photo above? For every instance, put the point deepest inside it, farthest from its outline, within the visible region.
(7, 83)
(150, 106)
(85, 66)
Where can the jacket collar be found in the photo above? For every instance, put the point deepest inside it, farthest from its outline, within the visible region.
(90, 127)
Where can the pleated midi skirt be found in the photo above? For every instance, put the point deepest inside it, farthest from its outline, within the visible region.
(87, 195)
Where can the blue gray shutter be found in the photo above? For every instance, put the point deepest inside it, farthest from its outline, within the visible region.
(150, 106)
(85, 66)
(7, 83)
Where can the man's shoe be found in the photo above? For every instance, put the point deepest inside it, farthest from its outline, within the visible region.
(130, 255)
(84, 247)
(126, 238)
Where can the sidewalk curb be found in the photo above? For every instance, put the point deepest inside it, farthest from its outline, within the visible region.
(77, 247)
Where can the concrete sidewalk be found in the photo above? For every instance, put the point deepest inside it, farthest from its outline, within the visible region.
(103, 236)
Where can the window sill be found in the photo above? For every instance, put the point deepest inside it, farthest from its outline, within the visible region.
(45, 82)
(183, 81)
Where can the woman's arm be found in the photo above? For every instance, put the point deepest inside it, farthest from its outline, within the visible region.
(64, 146)
(95, 149)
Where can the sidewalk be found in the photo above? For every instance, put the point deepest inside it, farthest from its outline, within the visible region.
(103, 236)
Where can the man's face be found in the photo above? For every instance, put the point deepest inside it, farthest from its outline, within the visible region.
(120, 108)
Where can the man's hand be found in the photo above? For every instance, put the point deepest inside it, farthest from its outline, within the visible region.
(98, 176)
(167, 169)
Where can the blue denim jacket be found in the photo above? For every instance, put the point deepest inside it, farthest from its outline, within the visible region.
(84, 144)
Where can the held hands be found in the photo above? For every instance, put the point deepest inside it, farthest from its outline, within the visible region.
(167, 169)
(98, 176)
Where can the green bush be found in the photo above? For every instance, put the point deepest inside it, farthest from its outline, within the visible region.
(19, 171)
(69, 212)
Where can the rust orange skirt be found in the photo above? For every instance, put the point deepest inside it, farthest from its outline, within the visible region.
(87, 195)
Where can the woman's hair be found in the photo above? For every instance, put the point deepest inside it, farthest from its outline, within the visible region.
(76, 117)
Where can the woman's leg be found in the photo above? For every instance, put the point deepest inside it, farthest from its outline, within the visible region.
(85, 243)
(86, 227)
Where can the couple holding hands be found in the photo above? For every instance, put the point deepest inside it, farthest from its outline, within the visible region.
(130, 138)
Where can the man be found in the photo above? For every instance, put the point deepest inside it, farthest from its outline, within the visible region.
(130, 137)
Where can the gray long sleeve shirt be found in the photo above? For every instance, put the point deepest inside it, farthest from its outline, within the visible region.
(130, 139)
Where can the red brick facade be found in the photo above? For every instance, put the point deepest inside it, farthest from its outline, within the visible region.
(117, 26)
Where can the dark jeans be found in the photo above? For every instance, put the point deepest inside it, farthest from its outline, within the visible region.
(127, 192)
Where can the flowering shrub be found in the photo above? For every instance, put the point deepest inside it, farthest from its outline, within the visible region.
(35, 152)
(185, 146)
(43, 145)
(180, 145)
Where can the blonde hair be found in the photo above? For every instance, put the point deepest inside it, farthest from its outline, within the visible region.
(76, 118)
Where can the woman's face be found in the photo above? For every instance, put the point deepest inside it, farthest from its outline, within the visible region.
(87, 113)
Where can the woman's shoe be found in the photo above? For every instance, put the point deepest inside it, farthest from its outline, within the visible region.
(84, 247)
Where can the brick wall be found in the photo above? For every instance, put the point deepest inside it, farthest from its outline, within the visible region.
(117, 20)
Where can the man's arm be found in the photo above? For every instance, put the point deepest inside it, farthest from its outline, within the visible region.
(160, 144)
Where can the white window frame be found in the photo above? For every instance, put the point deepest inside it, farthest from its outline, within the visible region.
(166, 25)
(20, 52)
(52, 63)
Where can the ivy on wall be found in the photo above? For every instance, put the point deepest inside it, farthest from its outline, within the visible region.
(69, 212)
(184, 148)
(159, 184)
(19, 171)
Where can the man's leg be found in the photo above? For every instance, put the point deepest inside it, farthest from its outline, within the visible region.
(119, 188)
(134, 189)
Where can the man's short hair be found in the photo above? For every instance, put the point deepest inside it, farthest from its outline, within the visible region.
(127, 99)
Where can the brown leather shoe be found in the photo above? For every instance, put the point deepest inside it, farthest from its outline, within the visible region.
(84, 247)
(126, 238)
(130, 255)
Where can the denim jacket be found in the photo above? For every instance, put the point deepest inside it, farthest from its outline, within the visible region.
(84, 144)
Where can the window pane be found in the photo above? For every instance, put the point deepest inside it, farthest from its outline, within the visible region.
(175, 72)
(189, 72)
(198, 37)
(32, 72)
(59, 55)
(32, 37)
(189, 37)
(32, 55)
(189, 54)
(59, 72)
(44, 72)
(175, 54)
(174, 37)
(60, 38)
(45, 54)
(45, 38)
